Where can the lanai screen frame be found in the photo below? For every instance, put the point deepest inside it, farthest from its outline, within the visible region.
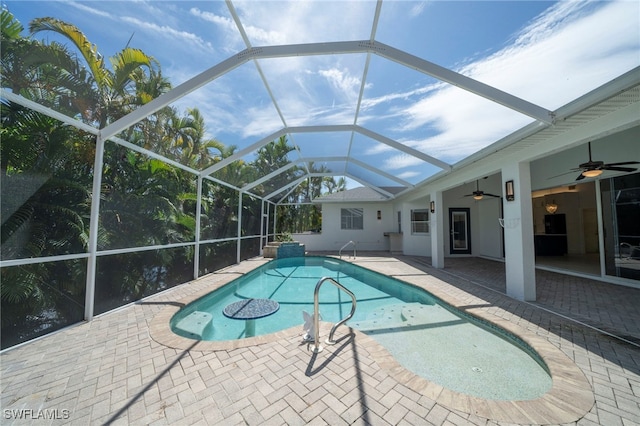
(93, 253)
(269, 202)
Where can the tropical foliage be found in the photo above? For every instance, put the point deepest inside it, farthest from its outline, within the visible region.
(47, 170)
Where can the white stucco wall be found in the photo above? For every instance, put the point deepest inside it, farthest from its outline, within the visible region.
(370, 238)
(418, 244)
(486, 234)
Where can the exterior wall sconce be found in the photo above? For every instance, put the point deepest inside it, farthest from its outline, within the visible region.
(379, 214)
(432, 206)
(509, 190)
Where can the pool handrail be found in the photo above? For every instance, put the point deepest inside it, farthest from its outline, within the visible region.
(345, 246)
(316, 313)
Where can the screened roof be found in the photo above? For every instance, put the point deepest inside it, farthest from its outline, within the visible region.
(386, 94)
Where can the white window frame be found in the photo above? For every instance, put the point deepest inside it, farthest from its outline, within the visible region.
(352, 218)
(420, 227)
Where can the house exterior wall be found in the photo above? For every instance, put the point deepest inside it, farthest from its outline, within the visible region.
(370, 238)
(488, 239)
(414, 244)
(489, 232)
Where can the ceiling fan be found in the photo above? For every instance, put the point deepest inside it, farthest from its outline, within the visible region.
(595, 168)
(477, 194)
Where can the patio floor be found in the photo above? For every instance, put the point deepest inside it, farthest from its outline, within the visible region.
(122, 368)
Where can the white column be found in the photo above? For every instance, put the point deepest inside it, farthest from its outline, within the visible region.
(262, 230)
(518, 234)
(436, 229)
(239, 245)
(196, 254)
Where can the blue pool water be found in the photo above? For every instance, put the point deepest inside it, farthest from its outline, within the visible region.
(426, 336)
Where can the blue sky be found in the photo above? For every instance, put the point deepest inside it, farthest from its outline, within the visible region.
(548, 53)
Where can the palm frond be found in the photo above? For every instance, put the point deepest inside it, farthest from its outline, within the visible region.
(88, 51)
(9, 25)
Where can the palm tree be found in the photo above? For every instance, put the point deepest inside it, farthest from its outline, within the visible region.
(47, 171)
(45, 200)
(184, 139)
(273, 155)
(335, 186)
(115, 88)
(46, 73)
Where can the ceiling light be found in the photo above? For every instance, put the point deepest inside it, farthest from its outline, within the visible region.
(592, 173)
(477, 197)
(551, 207)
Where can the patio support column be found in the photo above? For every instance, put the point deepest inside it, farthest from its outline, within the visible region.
(518, 234)
(436, 229)
(90, 289)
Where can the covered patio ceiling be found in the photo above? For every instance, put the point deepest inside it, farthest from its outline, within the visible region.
(387, 94)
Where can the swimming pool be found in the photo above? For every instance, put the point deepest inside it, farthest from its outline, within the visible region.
(425, 335)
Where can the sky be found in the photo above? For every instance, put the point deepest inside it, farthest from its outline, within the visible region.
(548, 53)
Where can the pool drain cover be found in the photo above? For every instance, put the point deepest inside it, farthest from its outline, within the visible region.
(477, 369)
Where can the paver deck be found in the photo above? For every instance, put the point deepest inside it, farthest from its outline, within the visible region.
(121, 369)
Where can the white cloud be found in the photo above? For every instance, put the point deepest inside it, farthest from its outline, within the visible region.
(417, 9)
(91, 10)
(258, 36)
(571, 49)
(223, 22)
(345, 85)
(305, 21)
(368, 103)
(408, 175)
(566, 53)
(401, 161)
(168, 33)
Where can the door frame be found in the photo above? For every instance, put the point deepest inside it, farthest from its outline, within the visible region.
(467, 212)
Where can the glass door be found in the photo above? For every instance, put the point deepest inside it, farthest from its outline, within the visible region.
(459, 231)
(620, 212)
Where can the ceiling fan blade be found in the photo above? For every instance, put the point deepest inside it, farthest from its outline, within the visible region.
(580, 177)
(620, 169)
(624, 163)
(492, 195)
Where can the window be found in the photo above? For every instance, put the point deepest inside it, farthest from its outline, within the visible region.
(420, 221)
(351, 219)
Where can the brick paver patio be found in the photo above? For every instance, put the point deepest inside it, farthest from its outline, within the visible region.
(113, 370)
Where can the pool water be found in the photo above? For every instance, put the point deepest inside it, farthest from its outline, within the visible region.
(426, 336)
(291, 283)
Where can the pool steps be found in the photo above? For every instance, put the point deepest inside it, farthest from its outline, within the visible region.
(195, 323)
(402, 315)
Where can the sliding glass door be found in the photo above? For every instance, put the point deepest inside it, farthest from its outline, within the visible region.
(621, 220)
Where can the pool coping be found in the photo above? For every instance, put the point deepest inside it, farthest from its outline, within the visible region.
(568, 400)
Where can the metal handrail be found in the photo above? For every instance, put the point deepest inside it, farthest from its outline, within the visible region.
(316, 313)
(345, 246)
